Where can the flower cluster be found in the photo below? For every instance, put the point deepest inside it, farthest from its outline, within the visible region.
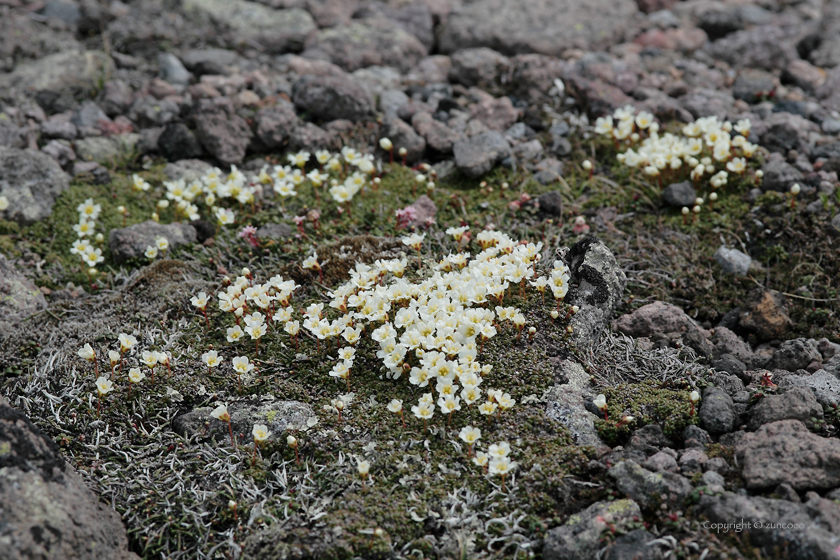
(90, 255)
(707, 147)
(211, 188)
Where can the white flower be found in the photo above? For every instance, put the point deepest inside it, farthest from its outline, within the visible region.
(127, 342)
(86, 352)
(395, 406)
(4, 203)
(600, 401)
(694, 396)
(151, 252)
(242, 365)
(221, 413)
(162, 243)
(200, 300)
(211, 358)
(502, 465)
(135, 375)
(104, 386)
(363, 467)
(469, 435)
(260, 433)
(499, 450)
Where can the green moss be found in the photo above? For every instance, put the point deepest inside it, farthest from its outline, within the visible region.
(648, 403)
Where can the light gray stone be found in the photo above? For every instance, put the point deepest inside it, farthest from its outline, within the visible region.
(733, 261)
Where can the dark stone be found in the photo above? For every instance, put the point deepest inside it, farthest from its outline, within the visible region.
(177, 142)
(48, 512)
(678, 195)
(719, 24)
(798, 403)
(753, 85)
(328, 98)
(717, 412)
(478, 154)
(597, 286)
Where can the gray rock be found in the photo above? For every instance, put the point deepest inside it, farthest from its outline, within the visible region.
(403, 136)
(390, 102)
(647, 488)
(695, 436)
(831, 126)
(733, 261)
(795, 354)
(88, 117)
(222, 132)
(369, 42)
(768, 47)
(551, 203)
(751, 85)
(814, 525)
(172, 70)
(276, 123)
(48, 511)
(635, 545)
(711, 478)
(413, 17)
(655, 320)
(328, 98)
(210, 61)
(597, 287)
(278, 416)
(150, 112)
(478, 154)
(650, 439)
(438, 136)
(717, 411)
(177, 142)
(566, 405)
(826, 387)
(727, 363)
(64, 11)
(580, 537)
(31, 181)
(705, 102)
(827, 55)
(496, 114)
(727, 342)
(116, 98)
(311, 137)
(786, 451)
(187, 169)
(59, 128)
(277, 31)
(60, 152)
(678, 195)
(541, 26)
(480, 67)
(835, 223)
(528, 152)
(661, 461)
(798, 403)
(131, 242)
(692, 460)
(719, 23)
(275, 231)
(376, 79)
(105, 149)
(60, 72)
(20, 298)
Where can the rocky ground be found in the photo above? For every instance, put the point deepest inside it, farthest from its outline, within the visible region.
(495, 102)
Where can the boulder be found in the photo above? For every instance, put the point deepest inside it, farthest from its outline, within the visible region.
(798, 403)
(31, 181)
(278, 416)
(47, 511)
(597, 288)
(368, 42)
(786, 452)
(478, 154)
(717, 411)
(650, 489)
(808, 530)
(580, 537)
(327, 98)
(276, 31)
(131, 242)
(538, 26)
